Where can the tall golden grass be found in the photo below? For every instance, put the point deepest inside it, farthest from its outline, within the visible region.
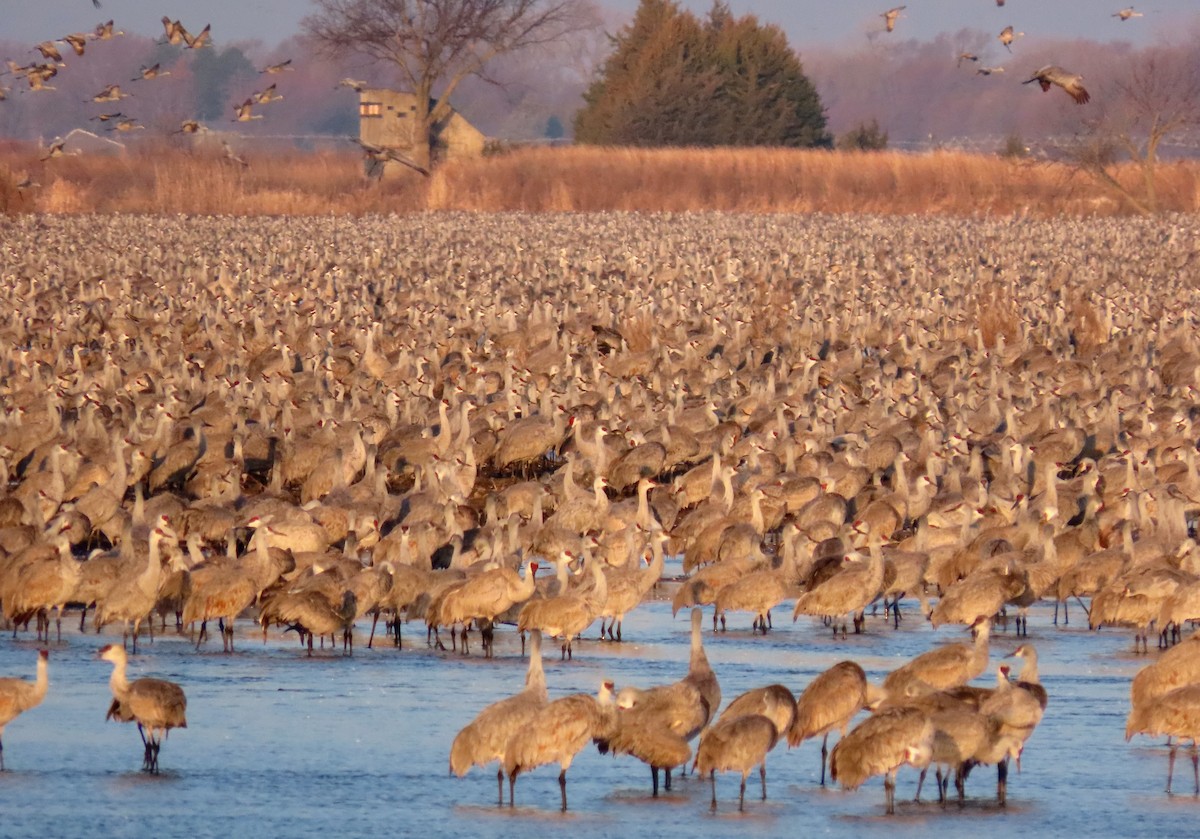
(164, 179)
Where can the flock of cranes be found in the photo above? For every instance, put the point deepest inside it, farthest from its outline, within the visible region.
(172, 455)
(1048, 76)
(37, 76)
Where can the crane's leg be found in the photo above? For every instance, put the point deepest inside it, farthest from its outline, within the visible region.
(1, 754)
(762, 775)
(1171, 766)
(712, 776)
(512, 781)
(228, 634)
(499, 787)
(57, 623)
(620, 623)
(1002, 782)
(742, 795)
(562, 785)
(145, 748)
(889, 791)
(824, 756)
(83, 617)
(374, 623)
(921, 782)
(654, 781)
(667, 772)
(1195, 766)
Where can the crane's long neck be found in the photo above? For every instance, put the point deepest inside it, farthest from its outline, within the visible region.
(528, 584)
(698, 661)
(600, 593)
(980, 655)
(42, 683)
(148, 580)
(1029, 673)
(117, 681)
(535, 677)
(643, 505)
(653, 573)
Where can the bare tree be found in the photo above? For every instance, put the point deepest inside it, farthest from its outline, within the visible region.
(435, 44)
(1156, 98)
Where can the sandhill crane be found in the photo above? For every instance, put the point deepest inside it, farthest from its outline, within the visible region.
(483, 597)
(111, 93)
(966, 56)
(758, 592)
(229, 154)
(848, 592)
(1176, 715)
(277, 68)
(829, 702)
(979, 596)
(106, 117)
(42, 578)
(223, 591)
(156, 705)
(485, 737)
(880, 745)
(1028, 679)
(266, 95)
(133, 597)
(173, 30)
(736, 743)
(1127, 13)
(312, 613)
(890, 17)
(655, 725)
(530, 439)
(1175, 668)
(557, 733)
(945, 667)
(1019, 711)
(1072, 83)
(628, 586)
(38, 74)
(958, 732)
(126, 124)
(195, 42)
(76, 41)
(353, 84)
(19, 695)
(244, 112)
(49, 51)
(150, 72)
(775, 702)
(190, 126)
(568, 614)
(104, 31)
(987, 71)
(1007, 36)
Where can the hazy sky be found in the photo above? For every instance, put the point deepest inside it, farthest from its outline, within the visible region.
(806, 22)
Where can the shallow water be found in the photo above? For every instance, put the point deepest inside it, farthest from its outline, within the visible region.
(288, 745)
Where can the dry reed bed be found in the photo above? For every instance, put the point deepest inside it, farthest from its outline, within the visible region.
(166, 179)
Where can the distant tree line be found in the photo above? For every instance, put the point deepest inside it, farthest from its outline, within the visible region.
(676, 80)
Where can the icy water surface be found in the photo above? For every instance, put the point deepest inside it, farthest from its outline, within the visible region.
(282, 745)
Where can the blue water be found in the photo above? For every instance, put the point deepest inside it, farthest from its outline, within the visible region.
(284, 745)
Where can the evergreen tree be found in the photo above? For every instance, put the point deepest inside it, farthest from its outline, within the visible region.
(674, 80)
